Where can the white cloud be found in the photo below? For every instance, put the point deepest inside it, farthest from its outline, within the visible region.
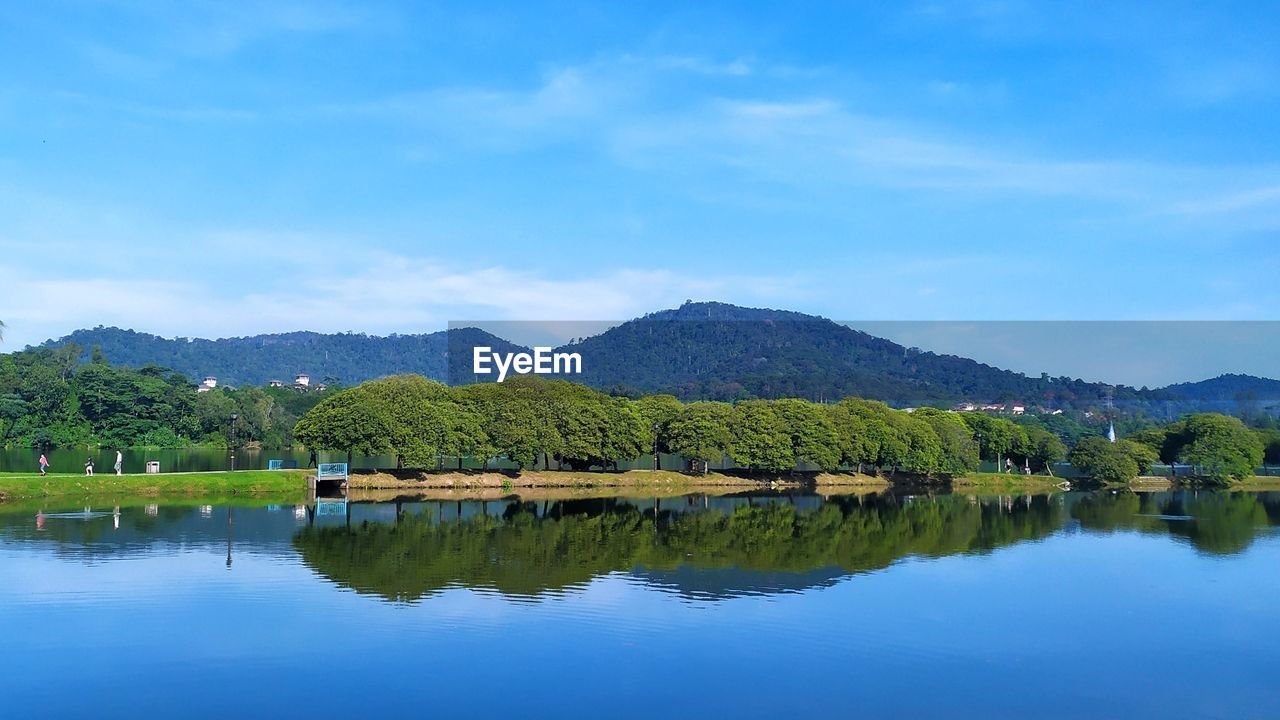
(622, 108)
(381, 294)
(1247, 199)
(701, 66)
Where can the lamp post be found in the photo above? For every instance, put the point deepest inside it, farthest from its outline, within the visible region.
(657, 464)
(230, 510)
(234, 416)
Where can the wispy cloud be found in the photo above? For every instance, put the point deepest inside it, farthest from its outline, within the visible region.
(150, 111)
(815, 141)
(1248, 199)
(701, 66)
(218, 29)
(382, 294)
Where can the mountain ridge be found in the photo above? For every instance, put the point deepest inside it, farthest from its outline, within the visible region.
(697, 350)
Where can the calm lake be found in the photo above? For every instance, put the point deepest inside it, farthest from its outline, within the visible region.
(1076, 605)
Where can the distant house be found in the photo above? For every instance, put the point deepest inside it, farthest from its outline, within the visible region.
(207, 384)
(965, 407)
(1018, 409)
(302, 380)
(992, 407)
(275, 383)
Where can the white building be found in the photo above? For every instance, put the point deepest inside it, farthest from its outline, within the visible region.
(208, 384)
(302, 380)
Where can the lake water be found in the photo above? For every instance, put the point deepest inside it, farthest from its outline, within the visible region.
(1075, 605)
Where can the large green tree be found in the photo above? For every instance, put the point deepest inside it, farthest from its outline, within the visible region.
(1270, 439)
(657, 412)
(348, 423)
(1219, 447)
(814, 438)
(997, 437)
(1044, 448)
(957, 449)
(761, 437)
(1104, 461)
(701, 432)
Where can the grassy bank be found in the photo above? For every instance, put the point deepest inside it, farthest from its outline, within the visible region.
(647, 479)
(1256, 483)
(290, 483)
(1006, 482)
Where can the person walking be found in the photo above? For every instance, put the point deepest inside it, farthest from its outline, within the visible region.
(88, 467)
(44, 464)
(119, 461)
(312, 462)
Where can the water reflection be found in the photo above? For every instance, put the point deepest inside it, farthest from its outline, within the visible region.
(699, 547)
(1219, 523)
(696, 546)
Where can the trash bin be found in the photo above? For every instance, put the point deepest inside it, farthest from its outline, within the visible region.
(153, 467)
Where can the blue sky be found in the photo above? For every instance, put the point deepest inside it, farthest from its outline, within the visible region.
(214, 169)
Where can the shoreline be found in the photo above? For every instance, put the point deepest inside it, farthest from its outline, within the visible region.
(479, 480)
(292, 484)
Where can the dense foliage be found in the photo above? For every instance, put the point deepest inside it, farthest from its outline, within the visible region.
(524, 552)
(1215, 446)
(52, 397)
(48, 398)
(533, 422)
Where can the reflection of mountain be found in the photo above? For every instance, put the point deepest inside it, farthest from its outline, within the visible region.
(719, 583)
(1220, 523)
(753, 548)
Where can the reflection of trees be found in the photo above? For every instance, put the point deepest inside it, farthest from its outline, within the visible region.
(1224, 523)
(525, 554)
(1221, 523)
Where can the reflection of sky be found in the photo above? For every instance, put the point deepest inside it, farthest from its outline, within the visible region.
(161, 632)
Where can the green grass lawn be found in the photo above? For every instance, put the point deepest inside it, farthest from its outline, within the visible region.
(33, 485)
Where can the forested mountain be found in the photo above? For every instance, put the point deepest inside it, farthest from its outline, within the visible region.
(699, 350)
(1228, 387)
(348, 358)
(725, 352)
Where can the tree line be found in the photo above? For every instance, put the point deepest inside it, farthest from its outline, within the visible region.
(536, 422)
(49, 397)
(540, 423)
